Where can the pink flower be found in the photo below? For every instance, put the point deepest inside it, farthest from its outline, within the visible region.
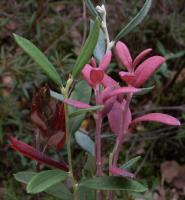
(137, 76)
(94, 74)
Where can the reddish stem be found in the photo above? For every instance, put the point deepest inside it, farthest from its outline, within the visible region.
(98, 120)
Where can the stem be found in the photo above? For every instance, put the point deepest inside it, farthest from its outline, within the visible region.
(98, 120)
(69, 155)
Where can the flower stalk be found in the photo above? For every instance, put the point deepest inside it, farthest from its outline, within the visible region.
(98, 120)
(65, 92)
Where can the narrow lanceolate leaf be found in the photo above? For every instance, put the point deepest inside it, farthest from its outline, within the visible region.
(39, 58)
(82, 92)
(34, 154)
(92, 9)
(113, 183)
(87, 50)
(99, 51)
(131, 163)
(43, 180)
(58, 190)
(85, 142)
(82, 111)
(158, 117)
(135, 21)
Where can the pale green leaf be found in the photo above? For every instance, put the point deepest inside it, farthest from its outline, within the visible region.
(85, 142)
(56, 95)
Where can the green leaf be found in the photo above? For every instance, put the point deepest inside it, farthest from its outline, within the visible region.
(86, 193)
(56, 95)
(24, 177)
(113, 183)
(85, 142)
(58, 190)
(174, 55)
(45, 179)
(87, 50)
(99, 50)
(94, 13)
(85, 110)
(131, 163)
(135, 21)
(82, 92)
(39, 58)
(145, 90)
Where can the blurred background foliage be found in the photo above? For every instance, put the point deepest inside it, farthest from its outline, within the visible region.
(57, 27)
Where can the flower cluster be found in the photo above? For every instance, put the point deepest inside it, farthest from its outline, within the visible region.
(49, 118)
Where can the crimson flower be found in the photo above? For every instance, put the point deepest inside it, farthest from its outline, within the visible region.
(48, 116)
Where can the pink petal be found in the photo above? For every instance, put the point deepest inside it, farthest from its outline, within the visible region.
(158, 117)
(121, 90)
(121, 172)
(96, 76)
(34, 154)
(105, 60)
(140, 57)
(108, 81)
(108, 106)
(115, 117)
(76, 104)
(127, 77)
(123, 55)
(146, 69)
(86, 74)
(93, 62)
